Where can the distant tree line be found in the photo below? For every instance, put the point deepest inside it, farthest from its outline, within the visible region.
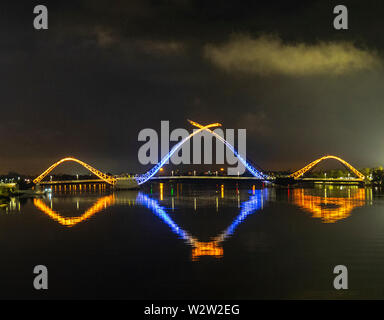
(375, 175)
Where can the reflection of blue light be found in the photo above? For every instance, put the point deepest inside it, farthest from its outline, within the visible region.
(48, 193)
(255, 203)
(150, 173)
(161, 213)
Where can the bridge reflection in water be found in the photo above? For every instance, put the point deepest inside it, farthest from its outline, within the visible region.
(328, 204)
(79, 187)
(199, 248)
(214, 247)
(332, 205)
(98, 206)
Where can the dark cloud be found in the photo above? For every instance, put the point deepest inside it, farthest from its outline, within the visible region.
(107, 69)
(269, 55)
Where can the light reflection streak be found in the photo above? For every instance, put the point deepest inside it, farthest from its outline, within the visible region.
(161, 191)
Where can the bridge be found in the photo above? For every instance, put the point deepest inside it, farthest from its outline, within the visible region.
(308, 167)
(136, 181)
(84, 181)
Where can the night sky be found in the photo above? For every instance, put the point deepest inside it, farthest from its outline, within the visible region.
(104, 70)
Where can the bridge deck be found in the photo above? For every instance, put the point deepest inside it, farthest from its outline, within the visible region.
(330, 179)
(325, 180)
(205, 178)
(72, 181)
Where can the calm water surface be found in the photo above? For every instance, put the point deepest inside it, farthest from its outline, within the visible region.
(174, 241)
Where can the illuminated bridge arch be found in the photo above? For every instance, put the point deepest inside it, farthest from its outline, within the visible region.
(150, 173)
(247, 165)
(107, 178)
(308, 167)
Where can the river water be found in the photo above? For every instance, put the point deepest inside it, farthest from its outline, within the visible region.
(191, 241)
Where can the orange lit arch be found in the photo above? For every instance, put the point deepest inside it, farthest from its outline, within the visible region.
(107, 178)
(99, 205)
(308, 167)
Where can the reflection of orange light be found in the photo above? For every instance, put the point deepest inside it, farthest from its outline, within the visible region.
(222, 191)
(161, 191)
(206, 249)
(328, 209)
(100, 204)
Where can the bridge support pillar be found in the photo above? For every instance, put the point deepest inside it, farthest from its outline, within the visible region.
(126, 183)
